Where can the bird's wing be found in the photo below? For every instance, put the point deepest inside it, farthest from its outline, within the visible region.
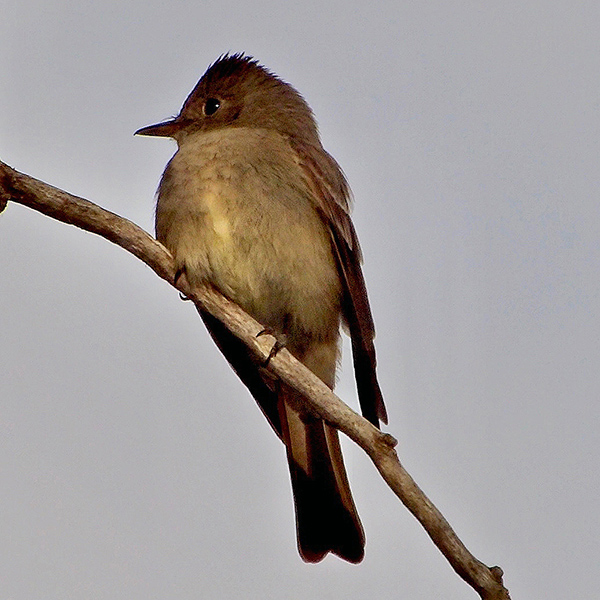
(331, 196)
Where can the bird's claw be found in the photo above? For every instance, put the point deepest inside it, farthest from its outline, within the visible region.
(277, 346)
(178, 274)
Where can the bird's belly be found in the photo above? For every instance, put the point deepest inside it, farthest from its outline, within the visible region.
(275, 262)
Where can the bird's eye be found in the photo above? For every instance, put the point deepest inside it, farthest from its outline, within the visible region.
(211, 106)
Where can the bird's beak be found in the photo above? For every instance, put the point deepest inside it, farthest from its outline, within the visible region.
(164, 129)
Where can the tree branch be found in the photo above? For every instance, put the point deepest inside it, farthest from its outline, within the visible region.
(60, 205)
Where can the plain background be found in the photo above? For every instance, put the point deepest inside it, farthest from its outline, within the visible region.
(135, 466)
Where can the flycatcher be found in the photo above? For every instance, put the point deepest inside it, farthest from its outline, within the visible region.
(253, 205)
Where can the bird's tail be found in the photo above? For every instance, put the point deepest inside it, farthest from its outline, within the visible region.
(326, 518)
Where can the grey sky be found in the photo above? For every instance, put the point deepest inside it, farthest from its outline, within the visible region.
(134, 465)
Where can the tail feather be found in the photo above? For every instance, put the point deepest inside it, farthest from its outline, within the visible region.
(326, 518)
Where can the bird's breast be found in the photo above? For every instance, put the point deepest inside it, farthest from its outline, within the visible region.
(238, 214)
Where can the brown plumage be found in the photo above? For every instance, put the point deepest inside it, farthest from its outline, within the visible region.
(252, 204)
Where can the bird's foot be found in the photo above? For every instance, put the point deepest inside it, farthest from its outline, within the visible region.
(178, 275)
(277, 346)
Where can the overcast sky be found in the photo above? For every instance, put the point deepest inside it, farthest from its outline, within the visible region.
(133, 463)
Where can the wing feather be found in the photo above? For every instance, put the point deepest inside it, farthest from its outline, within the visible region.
(332, 199)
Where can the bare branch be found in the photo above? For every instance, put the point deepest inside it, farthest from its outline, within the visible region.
(60, 205)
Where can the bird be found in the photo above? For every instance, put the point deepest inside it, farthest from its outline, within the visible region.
(254, 206)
